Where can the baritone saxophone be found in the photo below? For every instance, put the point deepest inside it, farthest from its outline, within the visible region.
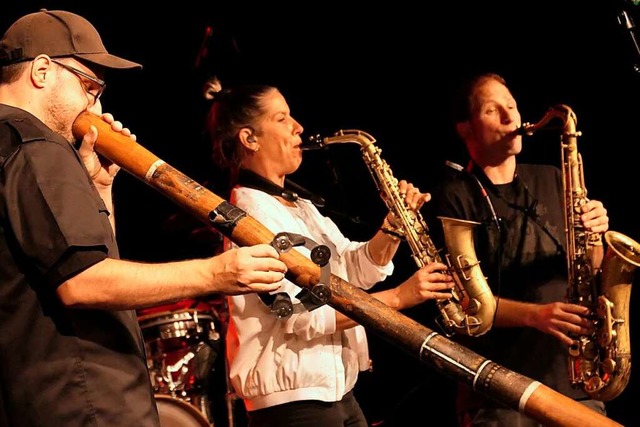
(470, 310)
(599, 363)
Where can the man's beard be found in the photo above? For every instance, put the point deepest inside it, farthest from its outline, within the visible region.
(59, 117)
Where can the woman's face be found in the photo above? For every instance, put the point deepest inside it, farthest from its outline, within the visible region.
(277, 139)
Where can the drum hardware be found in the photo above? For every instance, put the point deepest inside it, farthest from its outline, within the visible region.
(181, 349)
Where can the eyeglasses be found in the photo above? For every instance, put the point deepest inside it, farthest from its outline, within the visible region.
(96, 92)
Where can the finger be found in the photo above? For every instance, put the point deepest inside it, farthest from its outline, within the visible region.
(436, 267)
(88, 142)
(117, 126)
(439, 277)
(563, 337)
(263, 250)
(272, 278)
(576, 309)
(108, 117)
(271, 264)
(592, 205)
(441, 295)
(265, 287)
(266, 264)
(113, 169)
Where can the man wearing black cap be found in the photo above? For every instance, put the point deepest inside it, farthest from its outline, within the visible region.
(71, 351)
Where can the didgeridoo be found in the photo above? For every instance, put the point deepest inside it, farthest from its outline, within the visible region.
(448, 357)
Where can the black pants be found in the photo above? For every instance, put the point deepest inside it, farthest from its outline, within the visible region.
(311, 413)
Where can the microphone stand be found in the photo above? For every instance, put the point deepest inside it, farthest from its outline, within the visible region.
(627, 22)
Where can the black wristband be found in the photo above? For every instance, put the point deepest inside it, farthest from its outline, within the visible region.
(392, 233)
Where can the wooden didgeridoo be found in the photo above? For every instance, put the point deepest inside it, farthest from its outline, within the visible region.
(454, 360)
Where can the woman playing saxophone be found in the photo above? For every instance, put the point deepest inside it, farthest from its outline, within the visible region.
(300, 370)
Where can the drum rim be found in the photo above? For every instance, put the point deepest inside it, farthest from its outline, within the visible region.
(191, 409)
(174, 316)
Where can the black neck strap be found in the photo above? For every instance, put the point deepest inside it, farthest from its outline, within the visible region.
(529, 210)
(290, 192)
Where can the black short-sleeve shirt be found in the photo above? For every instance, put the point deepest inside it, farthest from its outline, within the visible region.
(520, 244)
(59, 366)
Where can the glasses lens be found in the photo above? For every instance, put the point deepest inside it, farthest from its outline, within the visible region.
(92, 85)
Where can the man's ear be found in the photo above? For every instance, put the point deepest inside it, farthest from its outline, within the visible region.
(40, 66)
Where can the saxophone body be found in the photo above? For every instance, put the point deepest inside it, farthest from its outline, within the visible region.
(599, 363)
(471, 308)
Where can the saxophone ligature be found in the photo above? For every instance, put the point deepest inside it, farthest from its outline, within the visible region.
(599, 363)
(471, 308)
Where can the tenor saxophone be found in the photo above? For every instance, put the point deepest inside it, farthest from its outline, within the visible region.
(471, 308)
(599, 363)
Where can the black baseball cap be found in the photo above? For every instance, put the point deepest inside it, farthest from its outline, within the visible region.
(57, 33)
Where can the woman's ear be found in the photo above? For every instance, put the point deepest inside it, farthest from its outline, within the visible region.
(248, 138)
(463, 129)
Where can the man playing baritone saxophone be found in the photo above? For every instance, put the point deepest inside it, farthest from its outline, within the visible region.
(521, 247)
(300, 370)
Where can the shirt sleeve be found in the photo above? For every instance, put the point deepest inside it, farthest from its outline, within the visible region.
(55, 213)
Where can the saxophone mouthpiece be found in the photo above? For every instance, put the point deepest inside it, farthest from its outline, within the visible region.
(315, 143)
(524, 129)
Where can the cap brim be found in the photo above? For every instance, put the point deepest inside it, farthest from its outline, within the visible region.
(107, 60)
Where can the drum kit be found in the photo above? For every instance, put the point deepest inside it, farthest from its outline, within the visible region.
(184, 343)
(184, 347)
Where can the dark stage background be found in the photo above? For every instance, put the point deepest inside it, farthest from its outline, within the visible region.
(387, 70)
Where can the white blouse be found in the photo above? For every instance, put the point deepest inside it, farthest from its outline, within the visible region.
(274, 361)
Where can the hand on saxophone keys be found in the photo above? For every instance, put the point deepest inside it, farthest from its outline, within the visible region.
(594, 216)
(412, 195)
(413, 199)
(562, 320)
(430, 282)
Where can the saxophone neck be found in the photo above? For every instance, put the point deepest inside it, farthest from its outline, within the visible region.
(346, 136)
(560, 111)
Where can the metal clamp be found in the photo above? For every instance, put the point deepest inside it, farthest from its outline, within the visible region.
(280, 303)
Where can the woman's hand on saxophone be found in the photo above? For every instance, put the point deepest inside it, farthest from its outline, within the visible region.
(431, 281)
(413, 198)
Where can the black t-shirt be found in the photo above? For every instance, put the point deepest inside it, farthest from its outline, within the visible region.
(59, 366)
(520, 244)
